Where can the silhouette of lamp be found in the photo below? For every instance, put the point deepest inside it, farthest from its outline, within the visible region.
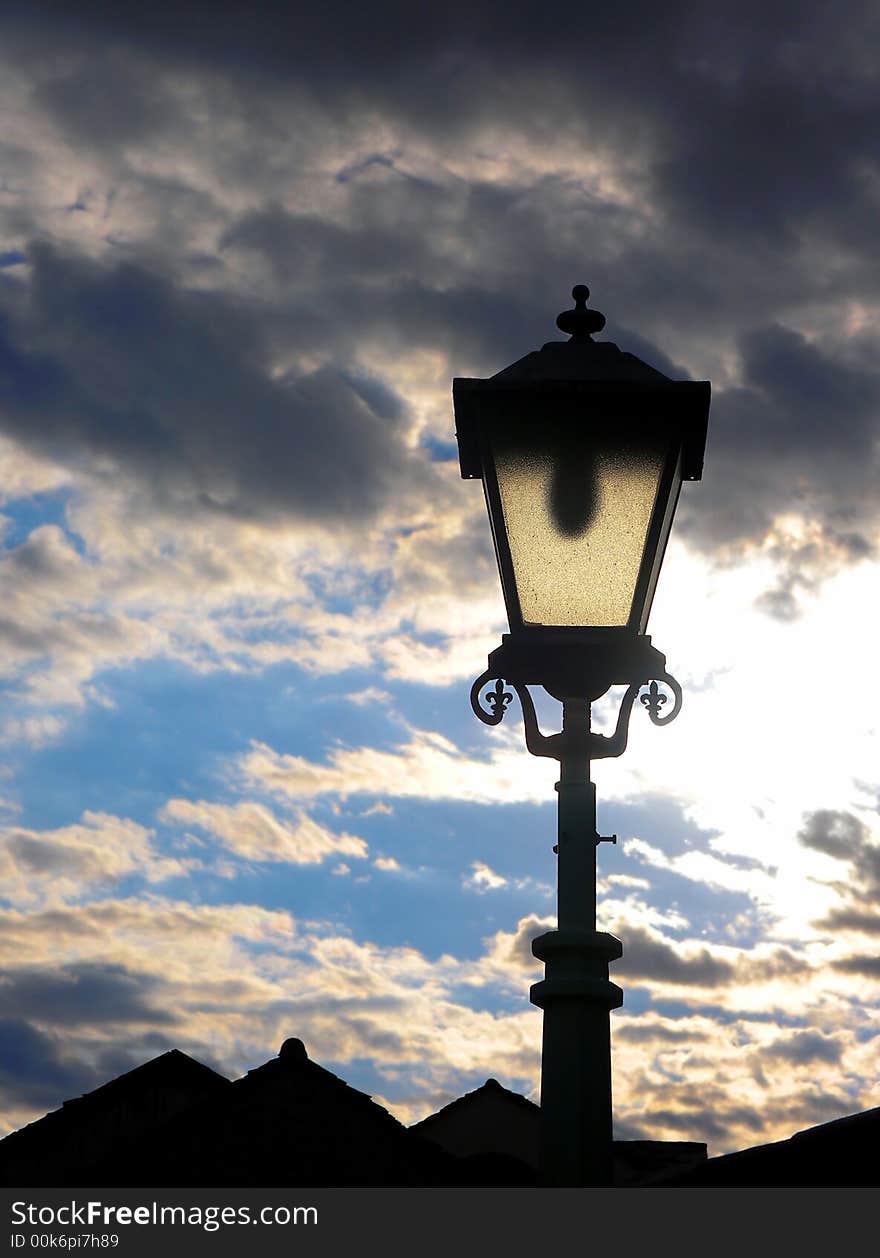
(582, 450)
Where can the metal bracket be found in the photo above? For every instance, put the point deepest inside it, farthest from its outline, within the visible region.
(601, 746)
(499, 700)
(600, 838)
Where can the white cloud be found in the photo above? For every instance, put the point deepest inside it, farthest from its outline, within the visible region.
(483, 878)
(252, 831)
(429, 766)
(33, 731)
(26, 473)
(370, 696)
(73, 861)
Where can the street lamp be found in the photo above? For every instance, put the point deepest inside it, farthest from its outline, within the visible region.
(582, 451)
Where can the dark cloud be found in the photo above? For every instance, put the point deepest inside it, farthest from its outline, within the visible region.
(804, 1047)
(843, 836)
(865, 922)
(735, 151)
(650, 1033)
(79, 99)
(41, 1070)
(781, 963)
(867, 966)
(745, 121)
(33, 1070)
(798, 436)
(647, 957)
(117, 364)
(474, 268)
(709, 1114)
(835, 833)
(710, 1118)
(517, 948)
(818, 1103)
(81, 994)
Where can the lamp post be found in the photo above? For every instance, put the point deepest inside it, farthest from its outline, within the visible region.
(582, 451)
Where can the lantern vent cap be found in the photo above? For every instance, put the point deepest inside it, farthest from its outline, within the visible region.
(580, 323)
(580, 357)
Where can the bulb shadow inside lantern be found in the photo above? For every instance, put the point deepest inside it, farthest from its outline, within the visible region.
(573, 490)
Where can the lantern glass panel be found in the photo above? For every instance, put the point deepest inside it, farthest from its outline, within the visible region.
(577, 516)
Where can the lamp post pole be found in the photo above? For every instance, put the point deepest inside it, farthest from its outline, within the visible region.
(575, 994)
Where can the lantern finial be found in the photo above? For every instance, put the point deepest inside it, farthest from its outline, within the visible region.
(580, 323)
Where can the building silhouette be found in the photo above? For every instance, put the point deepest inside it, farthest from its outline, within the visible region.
(844, 1153)
(112, 1119)
(174, 1122)
(493, 1122)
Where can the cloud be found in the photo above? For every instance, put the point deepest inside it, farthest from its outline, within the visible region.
(806, 1047)
(243, 978)
(85, 993)
(252, 831)
(835, 833)
(429, 766)
(483, 878)
(370, 696)
(34, 731)
(778, 461)
(658, 1033)
(866, 966)
(253, 343)
(703, 1117)
(72, 861)
(77, 101)
(845, 838)
(776, 1079)
(34, 1072)
(646, 956)
(514, 948)
(162, 935)
(444, 219)
(25, 475)
(861, 922)
(171, 389)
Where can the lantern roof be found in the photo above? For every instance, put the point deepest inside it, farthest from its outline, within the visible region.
(581, 360)
(586, 375)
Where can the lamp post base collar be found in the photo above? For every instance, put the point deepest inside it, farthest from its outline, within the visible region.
(576, 968)
(595, 991)
(587, 945)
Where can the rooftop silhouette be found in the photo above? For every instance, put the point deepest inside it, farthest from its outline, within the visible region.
(174, 1122)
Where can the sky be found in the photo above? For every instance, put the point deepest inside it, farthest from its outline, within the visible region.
(245, 590)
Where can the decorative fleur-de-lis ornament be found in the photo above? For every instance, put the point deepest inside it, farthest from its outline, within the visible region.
(498, 699)
(653, 700)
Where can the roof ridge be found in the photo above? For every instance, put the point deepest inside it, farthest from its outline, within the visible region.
(492, 1085)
